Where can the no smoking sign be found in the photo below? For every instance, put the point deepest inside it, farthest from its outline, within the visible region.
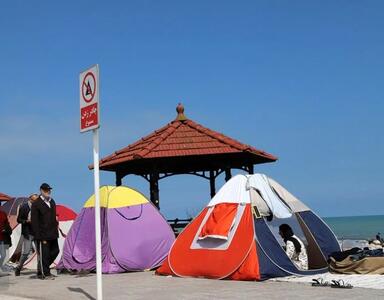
(89, 99)
(88, 87)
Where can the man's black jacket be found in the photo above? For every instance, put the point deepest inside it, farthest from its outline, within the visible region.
(44, 223)
(22, 218)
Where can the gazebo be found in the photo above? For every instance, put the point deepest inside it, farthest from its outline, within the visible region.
(4, 198)
(183, 147)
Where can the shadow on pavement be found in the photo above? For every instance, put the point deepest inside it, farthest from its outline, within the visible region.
(81, 291)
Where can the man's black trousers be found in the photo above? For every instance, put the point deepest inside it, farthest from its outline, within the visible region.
(48, 251)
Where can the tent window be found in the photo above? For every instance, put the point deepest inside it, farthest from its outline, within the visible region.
(130, 213)
(219, 222)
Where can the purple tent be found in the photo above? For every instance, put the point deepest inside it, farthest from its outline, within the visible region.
(134, 235)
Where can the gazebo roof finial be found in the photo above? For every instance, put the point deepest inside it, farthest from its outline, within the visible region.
(180, 113)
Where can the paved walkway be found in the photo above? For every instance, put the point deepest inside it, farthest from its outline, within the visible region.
(145, 285)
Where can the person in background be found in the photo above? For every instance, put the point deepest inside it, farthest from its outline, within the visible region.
(45, 230)
(24, 218)
(378, 237)
(5, 238)
(295, 248)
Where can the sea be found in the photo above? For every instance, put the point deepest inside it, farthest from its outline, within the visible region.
(357, 227)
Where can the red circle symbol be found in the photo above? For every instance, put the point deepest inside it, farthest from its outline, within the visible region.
(87, 92)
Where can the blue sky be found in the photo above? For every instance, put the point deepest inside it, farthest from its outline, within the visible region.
(301, 79)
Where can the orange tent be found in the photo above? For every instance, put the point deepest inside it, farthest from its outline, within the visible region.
(232, 238)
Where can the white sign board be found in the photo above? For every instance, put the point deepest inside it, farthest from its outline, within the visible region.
(89, 99)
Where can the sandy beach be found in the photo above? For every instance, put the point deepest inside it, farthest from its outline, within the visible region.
(145, 285)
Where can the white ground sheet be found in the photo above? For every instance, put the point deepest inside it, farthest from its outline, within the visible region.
(362, 281)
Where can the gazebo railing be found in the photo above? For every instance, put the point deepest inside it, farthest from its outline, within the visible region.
(178, 224)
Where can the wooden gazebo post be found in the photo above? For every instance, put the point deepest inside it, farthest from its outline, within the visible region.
(154, 188)
(228, 174)
(119, 179)
(212, 183)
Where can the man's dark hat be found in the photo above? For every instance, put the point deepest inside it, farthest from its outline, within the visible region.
(45, 187)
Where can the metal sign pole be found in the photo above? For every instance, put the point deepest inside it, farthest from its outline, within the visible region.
(89, 120)
(97, 213)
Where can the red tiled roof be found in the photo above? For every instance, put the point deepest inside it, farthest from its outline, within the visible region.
(4, 197)
(181, 137)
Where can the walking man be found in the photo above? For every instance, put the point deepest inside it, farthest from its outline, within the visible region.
(45, 229)
(24, 218)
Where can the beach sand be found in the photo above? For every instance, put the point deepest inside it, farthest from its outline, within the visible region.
(145, 285)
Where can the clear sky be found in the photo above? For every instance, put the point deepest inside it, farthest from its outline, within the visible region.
(300, 79)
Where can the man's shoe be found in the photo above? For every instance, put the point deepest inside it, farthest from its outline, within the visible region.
(17, 272)
(49, 277)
